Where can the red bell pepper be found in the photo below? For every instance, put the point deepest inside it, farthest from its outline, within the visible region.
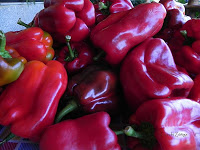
(85, 133)
(103, 8)
(32, 43)
(165, 124)
(11, 64)
(94, 89)
(61, 18)
(75, 56)
(185, 46)
(149, 72)
(120, 32)
(29, 104)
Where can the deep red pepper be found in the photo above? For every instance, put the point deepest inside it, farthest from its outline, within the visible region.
(75, 56)
(29, 104)
(32, 43)
(61, 18)
(149, 72)
(120, 32)
(85, 133)
(94, 89)
(166, 124)
(185, 46)
(103, 8)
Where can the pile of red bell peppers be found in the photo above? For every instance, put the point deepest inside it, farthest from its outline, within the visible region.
(103, 75)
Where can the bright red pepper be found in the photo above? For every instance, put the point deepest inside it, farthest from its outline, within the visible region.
(85, 133)
(149, 72)
(61, 18)
(32, 43)
(29, 104)
(166, 124)
(185, 46)
(94, 89)
(75, 56)
(103, 8)
(120, 32)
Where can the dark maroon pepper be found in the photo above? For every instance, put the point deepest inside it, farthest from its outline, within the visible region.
(93, 90)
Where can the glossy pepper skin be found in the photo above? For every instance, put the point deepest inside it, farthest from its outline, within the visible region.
(185, 46)
(75, 56)
(11, 65)
(31, 43)
(120, 32)
(175, 123)
(61, 18)
(103, 8)
(93, 90)
(90, 132)
(29, 104)
(149, 72)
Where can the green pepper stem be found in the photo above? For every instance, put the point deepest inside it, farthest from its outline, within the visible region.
(7, 138)
(119, 132)
(72, 105)
(99, 55)
(20, 22)
(3, 52)
(102, 6)
(129, 131)
(184, 34)
(71, 53)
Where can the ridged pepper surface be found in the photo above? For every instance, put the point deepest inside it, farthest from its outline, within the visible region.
(29, 104)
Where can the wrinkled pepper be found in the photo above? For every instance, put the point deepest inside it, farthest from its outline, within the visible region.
(174, 20)
(149, 72)
(75, 56)
(61, 18)
(103, 8)
(94, 89)
(11, 64)
(120, 32)
(165, 124)
(31, 43)
(185, 46)
(29, 104)
(85, 133)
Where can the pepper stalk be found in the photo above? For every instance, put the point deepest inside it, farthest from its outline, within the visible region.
(144, 132)
(72, 53)
(3, 52)
(71, 106)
